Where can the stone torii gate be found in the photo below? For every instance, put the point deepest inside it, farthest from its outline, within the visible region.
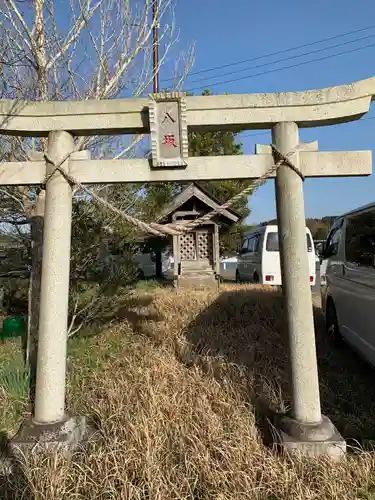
(168, 117)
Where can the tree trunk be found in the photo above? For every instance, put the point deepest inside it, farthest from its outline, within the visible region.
(158, 264)
(37, 223)
(37, 217)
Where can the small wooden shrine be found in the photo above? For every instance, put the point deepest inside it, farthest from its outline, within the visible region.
(196, 253)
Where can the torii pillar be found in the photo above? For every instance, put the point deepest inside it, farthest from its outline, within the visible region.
(304, 429)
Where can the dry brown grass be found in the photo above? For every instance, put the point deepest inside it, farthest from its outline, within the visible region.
(180, 388)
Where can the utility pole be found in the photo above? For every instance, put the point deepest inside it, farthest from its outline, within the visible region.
(155, 34)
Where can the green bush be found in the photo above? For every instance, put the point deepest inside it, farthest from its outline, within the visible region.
(15, 295)
(102, 265)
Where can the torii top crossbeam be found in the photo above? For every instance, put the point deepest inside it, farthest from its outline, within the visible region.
(310, 108)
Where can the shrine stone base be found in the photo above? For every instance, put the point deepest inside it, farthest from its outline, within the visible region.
(317, 440)
(62, 437)
(198, 282)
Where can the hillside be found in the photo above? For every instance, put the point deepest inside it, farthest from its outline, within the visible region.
(319, 227)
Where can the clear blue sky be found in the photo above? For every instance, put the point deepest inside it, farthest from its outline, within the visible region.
(226, 32)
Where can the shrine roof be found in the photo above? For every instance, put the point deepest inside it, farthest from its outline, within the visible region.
(194, 190)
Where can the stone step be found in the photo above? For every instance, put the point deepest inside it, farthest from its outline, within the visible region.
(194, 282)
(196, 269)
(196, 264)
(188, 272)
(198, 272)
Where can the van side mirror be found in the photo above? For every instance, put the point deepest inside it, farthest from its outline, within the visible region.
(319, 249)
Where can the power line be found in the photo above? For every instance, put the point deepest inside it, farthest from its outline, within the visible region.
(286, 58)
(271, 54)
(274, 70)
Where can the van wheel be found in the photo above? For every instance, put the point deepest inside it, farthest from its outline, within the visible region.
(256, 278)
(238, 277)
(332, 325)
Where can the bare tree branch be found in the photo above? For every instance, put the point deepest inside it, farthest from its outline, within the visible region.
(74, 32)
(29, 41)
(81, 49)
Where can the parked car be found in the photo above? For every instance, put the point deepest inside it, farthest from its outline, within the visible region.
(228, 268)
(146, 262)
(259, 257)
(323, 269)
(348, 295)
(319, 246)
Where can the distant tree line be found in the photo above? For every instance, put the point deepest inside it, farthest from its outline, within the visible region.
(319, 227)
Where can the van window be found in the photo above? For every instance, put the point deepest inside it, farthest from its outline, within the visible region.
(250, 247)
(256, 243)
(244, 248)
(333, 240)
(272, 244)
(360, 239)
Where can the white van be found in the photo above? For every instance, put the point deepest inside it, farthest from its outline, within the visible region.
(259, 257)
(348, 295)
(228, 268)
(146, 262)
